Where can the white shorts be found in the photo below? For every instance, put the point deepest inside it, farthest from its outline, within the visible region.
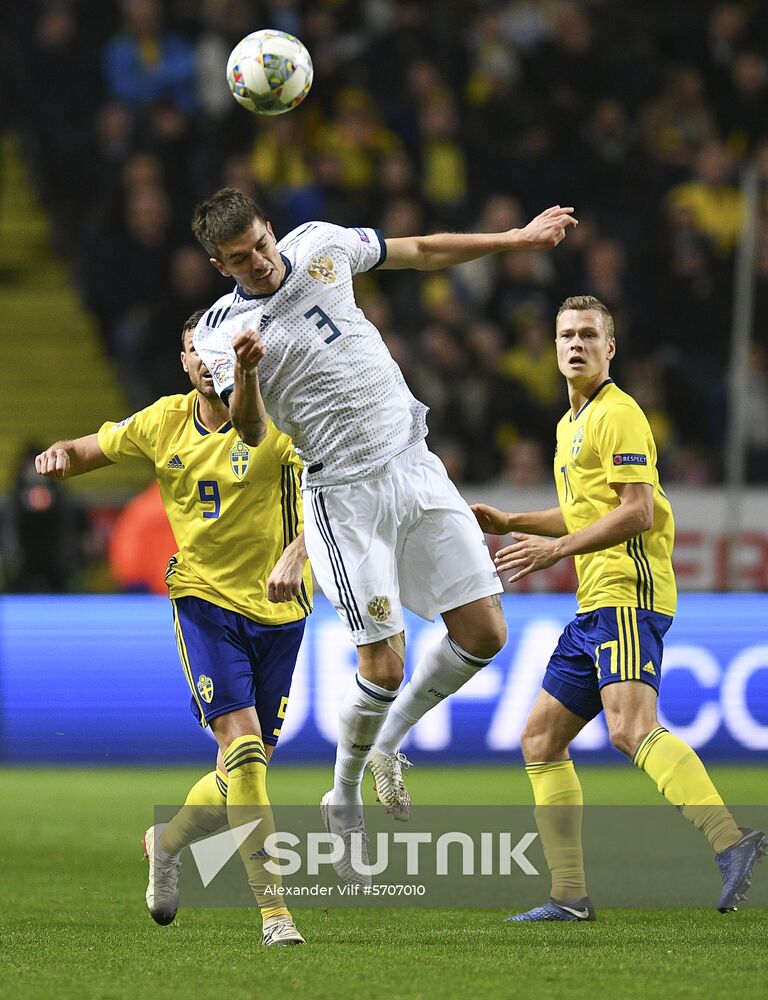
(402, 538)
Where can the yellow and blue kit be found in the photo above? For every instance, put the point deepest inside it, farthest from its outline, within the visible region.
(233, 510)
(626, 593)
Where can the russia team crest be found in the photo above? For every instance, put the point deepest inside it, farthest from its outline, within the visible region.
(321, 268)
(379, 608)
(239, 458)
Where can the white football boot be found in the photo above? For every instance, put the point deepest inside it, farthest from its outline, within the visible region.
(162, 894)
(349, 824)
(281, 930)
(387, 771)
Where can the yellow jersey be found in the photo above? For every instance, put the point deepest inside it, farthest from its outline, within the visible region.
(233, 509)
(609, 441)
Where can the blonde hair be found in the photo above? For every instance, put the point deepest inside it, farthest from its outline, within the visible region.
(581, 302)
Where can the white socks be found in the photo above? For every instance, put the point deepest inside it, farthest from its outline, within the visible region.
(361, 717)
(444, 669)
(372, 715)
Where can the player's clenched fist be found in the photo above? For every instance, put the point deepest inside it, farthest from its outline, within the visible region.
(53, 463)
(285, 580)
(249, 349)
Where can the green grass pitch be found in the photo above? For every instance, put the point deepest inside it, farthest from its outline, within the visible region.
(73, 922)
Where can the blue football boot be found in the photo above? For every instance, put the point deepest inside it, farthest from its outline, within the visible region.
(736, 865)
(580, 909)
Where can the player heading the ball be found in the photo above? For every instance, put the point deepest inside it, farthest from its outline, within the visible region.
(385, 528)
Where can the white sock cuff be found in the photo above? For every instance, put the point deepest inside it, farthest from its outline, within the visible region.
(379, 694)
(462, 657)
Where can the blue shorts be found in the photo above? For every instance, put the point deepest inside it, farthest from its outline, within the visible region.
(232, 662)
(601, 647)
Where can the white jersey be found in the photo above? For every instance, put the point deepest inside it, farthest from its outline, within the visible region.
(327, 378)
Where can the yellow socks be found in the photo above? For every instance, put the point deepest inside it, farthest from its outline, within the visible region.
(680, 776)
(683, 780)
(204, 810)
(247, 801)
(559, 801)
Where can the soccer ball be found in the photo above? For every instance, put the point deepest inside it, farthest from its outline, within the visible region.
(269, 72)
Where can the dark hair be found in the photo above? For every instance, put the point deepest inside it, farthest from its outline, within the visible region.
(222, 217)
(589, 302)
(189, 324)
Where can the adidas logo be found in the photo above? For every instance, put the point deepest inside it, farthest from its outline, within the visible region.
(265, 321)
(175, 463)
(649, 668)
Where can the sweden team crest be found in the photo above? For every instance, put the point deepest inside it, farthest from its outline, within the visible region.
(239, 458)
(321, 269)
(578, 437)
(205, 688)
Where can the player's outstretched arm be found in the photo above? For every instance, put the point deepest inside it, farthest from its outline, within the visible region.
(633, 516)
(537, 522)
(72, 458)
(431, 253)
(285, 580)
(246, 407)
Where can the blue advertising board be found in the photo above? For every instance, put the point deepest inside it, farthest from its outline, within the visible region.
(96, 680)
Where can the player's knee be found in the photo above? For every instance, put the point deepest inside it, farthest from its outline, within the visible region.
(227, 738)
(497, 637)
(624, 737)
(490, 641)
(233, 725)
(538, 744)
(531, 743)
(389, 676)
(381, 664)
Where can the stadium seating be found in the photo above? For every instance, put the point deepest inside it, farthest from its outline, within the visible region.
(54, 344)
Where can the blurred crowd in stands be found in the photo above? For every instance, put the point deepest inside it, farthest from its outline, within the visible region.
(427, 115)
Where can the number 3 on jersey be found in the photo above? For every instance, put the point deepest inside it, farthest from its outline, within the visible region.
(323, 319)
(209, 494)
